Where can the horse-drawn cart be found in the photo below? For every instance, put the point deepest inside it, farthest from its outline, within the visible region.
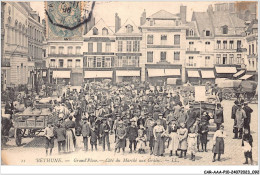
(31, 125)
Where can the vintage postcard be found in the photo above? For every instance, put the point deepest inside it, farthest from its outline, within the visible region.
(129, 83)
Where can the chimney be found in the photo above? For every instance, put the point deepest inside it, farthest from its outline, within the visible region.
(117, 22)
(143, 18)
(210, 10)
(183, 12)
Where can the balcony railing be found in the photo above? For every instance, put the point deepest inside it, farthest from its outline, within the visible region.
(241, 49)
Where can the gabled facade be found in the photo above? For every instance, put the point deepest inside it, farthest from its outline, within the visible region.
(98, 55)
(163, 52)
(128, 53)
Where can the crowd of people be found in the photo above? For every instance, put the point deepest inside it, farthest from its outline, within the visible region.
(139, 117)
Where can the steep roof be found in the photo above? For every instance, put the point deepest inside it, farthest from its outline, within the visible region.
(203, 22)
(100, 25)
(123, 29)
(162, 14)
(192, 25)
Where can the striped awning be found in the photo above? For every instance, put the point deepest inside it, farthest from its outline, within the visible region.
(98, 74)
(61, 74)
(226, 70)
(245, 77)
(193, 74)
(207, 74)
(128, 73)
(239, 73)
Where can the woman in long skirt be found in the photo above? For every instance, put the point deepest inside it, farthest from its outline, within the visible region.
(218, 143)
(70, 135)
(174, 140)
(158, 132)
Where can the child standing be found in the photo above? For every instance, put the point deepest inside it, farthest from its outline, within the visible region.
(60, 134)
(174, 142)
(192, 142)
(141, 140)
(182, 135)
(93, 136)
(49, 137)
(247, 143)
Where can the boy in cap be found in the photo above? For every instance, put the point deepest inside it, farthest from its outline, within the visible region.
(60, 134)
(104, 133)
(85, 131)
(49, 137)
(132, 133)
(120, 137)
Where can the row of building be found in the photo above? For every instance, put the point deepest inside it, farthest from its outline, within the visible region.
(220, 43)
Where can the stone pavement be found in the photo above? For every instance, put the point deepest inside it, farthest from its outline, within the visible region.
(33, 149)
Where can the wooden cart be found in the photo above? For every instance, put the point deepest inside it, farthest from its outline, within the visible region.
(30, 126)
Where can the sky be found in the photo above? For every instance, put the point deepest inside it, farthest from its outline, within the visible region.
(133, 10)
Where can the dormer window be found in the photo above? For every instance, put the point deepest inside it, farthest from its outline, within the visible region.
(104, 31)
(191, 32)
(129, 29)
(225, 30)
(151, 22)
(95, 31)
(207, 33)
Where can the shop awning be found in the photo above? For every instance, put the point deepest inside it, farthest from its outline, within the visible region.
(172, 81)
(193, 74)
(245, 77)
(128, 73)
(156, 72)
(238, 73)
(226, 70)
(207, 74)
(98, 74)
(171, 72)
(61, 74)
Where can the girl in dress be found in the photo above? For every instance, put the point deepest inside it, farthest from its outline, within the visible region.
(141, 140)
(192, 142)
(218, 143)
(174, 141)
(182, 135)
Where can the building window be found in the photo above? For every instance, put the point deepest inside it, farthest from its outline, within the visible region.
(90, 62)
(191, 32)
(225, 44)
(238, 58)
(125, 61)
(253, 49)
(224, 59)
(225, 29)
(90, 47)
(120, 46)
(69, 50)
(163, 39)
(99, 62)
(78, 50)
(207, 61)
(108, 47)
(99, 47)
(207, 45)
(218, 58)
(108, 62)
(95, 31)
(150, 39)
(163, 56)
(218, 44)
(77, 63)
(253, 64)
(190, 63)
(52, 63)
(129, 29)
(104, 31)
(231, 58)
(53, 48)
(207, 33)
(69, 63)
(129, 46)
(176, 39)
(249, 49)
(136, 46)
(238, 44)
(61, 50)
(231, 44)
(149, 57)
(191, 45)
(176, 56)
(61, 63)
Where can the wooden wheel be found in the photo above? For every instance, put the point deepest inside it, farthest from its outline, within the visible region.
(18, 137)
